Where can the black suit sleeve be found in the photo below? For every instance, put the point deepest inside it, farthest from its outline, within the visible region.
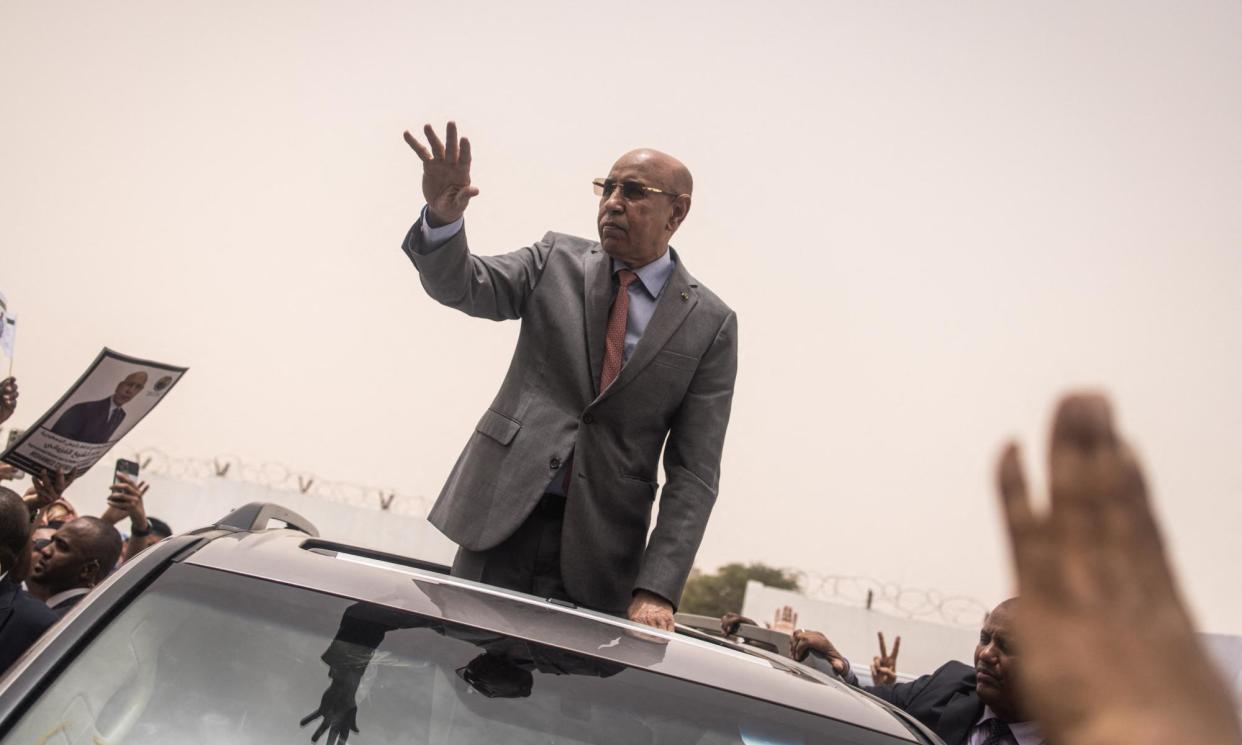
(900, 695)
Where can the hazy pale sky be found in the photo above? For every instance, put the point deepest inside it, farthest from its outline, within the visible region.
(931, 217)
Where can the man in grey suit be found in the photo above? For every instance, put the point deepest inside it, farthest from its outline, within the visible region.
(620, 349)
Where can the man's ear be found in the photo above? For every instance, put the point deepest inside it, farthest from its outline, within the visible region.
(90, 572)
(681, 208)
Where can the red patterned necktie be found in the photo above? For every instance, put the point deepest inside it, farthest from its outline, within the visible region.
(614, 339)
(614, 348)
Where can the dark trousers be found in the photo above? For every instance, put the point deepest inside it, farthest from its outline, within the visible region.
(528, 561)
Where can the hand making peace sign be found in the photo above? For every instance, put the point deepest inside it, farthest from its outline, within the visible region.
(446, 174)
(884, 667)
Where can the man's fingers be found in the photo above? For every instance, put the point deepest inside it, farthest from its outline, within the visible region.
(896, 647)
(142, 488)
(417, 146)
(307, 719)
(464, 157)
(1083, 447)
(437, 147)
(323, 727)
(451, 143)
(1015, 500)
(883, 649)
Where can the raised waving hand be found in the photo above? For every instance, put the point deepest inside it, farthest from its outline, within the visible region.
(1110, 652)
(446, 173)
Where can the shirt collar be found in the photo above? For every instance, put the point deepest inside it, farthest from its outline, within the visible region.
(1026, 733)
(72, 592)
(653, 276)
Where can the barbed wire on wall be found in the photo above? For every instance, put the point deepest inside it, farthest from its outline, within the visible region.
(910, 602)
(279, 476)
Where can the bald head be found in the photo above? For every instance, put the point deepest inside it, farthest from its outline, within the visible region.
(635, 224)
(131, 386)
(81, 554)
(673, 174)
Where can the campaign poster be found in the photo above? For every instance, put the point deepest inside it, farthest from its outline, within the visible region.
(112, 396)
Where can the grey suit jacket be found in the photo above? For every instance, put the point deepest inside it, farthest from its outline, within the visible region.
(677, 384)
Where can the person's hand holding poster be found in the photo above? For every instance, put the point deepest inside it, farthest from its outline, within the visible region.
(113, 395)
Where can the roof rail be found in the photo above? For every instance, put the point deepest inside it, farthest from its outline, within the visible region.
(256, 515)
(776, 642)
(332, 548)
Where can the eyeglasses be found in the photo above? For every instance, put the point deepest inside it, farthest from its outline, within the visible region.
(42, 543)
(631, 191)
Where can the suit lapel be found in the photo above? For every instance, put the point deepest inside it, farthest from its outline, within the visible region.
(958, 717)
(597, 276)
(676, 301)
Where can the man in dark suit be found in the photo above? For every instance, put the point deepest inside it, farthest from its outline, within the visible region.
(620, 350)
(22, 618)
(94, 422)
(77, 558)
(961, 704)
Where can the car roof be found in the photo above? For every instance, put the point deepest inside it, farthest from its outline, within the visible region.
(293, 558)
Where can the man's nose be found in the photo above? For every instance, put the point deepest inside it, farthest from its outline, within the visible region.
(988, 652)
(614, 202)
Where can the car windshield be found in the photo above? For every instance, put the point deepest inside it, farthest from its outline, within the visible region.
(208, 656)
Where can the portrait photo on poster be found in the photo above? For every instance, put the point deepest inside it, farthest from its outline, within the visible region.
(105, 403)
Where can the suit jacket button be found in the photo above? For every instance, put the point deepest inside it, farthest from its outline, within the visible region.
(588, 418)
(555, 463)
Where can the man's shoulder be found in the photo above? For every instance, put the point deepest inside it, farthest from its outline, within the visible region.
(569, 243)
(954, 672)
(706, 296)
(28, 611)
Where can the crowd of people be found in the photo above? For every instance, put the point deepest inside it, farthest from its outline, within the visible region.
(51, 557)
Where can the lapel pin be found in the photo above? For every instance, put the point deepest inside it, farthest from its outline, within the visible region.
(685, 296)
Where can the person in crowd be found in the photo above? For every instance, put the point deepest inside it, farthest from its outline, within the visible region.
(8, 398)
(79, 556)
(40, 536)
(22, 618)
(96, 421)
(128, 500)
(620, 349)
(1109, 651)
(962, 704)
(884, 665)
(45, 498)
(159, 528)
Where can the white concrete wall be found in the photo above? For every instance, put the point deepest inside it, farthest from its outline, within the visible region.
(190, 504)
